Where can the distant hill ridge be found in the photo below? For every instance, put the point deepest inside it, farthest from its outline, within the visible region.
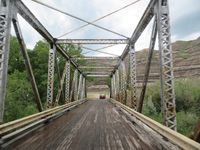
(186, 60)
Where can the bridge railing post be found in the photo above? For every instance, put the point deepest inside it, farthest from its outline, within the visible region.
(51, 68)
(67, 83)
(166, 65)
(5, 27)
(132, 74)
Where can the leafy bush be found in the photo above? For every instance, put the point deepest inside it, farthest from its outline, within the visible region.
(185, 122)
(19, 97)
(187, 103)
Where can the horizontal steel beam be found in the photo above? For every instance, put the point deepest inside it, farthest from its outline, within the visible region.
(91, 67)
(97, 58)
(103, 73)
(92, 41)
(36, 24)
(98, 75)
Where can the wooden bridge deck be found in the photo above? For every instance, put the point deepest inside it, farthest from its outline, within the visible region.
(94, 125)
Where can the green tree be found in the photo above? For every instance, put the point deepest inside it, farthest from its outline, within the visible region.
(19, 97)
(15, 57)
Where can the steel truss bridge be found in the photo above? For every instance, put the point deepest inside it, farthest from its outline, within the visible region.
(116, 123)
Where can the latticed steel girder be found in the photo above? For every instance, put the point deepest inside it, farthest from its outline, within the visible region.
(113, 87)
(92, 41)
(123, 79)
(74, 89)
(166, 65)
(83, 89)
(5, 27)
(67, 83)
(50, 83)
(117, 84)
(79, 86)
(132, 83)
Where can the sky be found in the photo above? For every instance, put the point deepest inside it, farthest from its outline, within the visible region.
(184, 20)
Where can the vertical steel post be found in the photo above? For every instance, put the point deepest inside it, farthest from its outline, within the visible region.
(5, 27)
(79, 86)
(117, 84)
(123, 83)
(167, 77)
(132, 61)
(51, 68)
(27, 63)
(67, 83)
(83, 89)
(74, 89)
(76, 84)
(111, 87)
(114, 86)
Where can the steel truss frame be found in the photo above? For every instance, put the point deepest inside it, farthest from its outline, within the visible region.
(157, 8)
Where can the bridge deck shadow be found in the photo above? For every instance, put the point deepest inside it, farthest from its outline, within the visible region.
(94, 125)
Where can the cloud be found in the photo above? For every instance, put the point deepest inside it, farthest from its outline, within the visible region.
(184, 17)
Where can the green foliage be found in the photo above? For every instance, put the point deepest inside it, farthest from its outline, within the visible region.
(187, 103)
(39, 62)
(19, 97)
(153, 92)
(185, 122)
(188, 95)
(15, 59)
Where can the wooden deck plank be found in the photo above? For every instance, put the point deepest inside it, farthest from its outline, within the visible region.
(94, 125)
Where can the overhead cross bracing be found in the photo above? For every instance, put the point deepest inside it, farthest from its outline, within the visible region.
(92, 41)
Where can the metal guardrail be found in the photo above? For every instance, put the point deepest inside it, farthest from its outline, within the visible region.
(13, 125)
(175, 137)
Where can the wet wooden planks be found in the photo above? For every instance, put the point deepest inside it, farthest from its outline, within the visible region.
(94, 125)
